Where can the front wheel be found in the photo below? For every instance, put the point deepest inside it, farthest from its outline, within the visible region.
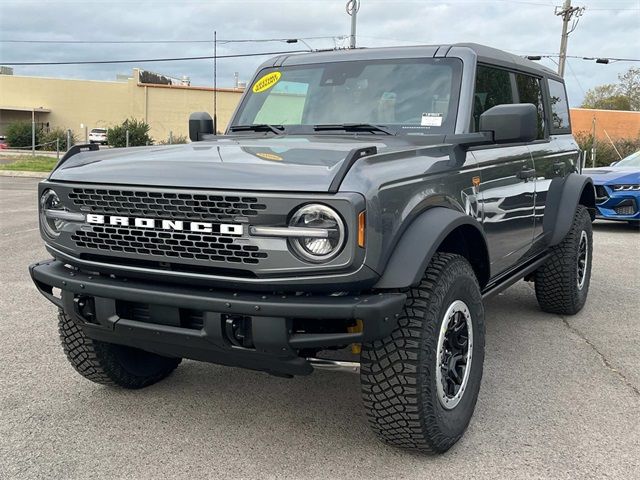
(110, 364)
(421, 383)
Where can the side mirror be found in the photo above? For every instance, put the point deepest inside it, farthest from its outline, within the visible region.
(613, 163)
(511, 123)
(200, 124)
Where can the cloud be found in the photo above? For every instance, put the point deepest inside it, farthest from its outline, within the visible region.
(523, 27)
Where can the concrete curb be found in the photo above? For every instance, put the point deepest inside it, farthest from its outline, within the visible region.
(18, 173)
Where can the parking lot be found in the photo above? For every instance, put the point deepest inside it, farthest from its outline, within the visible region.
(560, 396)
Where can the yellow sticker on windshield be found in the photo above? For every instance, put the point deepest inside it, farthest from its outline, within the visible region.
(266, 82)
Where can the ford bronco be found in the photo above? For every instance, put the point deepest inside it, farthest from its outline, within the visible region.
(360, 207)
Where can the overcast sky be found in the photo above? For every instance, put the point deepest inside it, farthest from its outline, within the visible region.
(608, 28)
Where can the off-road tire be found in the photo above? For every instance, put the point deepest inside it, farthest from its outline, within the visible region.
(398, 373)
(110, 364)
(557, 288)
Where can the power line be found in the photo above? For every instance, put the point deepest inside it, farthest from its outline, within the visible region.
(149, 60)
(597, 59)
(127, 42)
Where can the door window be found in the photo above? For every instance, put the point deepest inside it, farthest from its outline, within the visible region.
(493, 87)
(559, 108)
(530, 91)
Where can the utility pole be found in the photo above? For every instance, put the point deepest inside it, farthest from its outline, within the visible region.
(567, 12)
(352, 9)
(215, 82)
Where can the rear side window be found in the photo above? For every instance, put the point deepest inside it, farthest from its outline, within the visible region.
(559, 108)
(530, 91)
(493, 87)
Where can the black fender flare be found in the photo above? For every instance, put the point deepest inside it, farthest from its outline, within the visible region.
(420, 241)
(563, 198)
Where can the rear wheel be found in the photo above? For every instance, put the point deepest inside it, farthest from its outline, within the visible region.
(421, 383)
(562, 283)
(111, 364)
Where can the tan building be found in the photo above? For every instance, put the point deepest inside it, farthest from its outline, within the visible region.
(616, 124)
(67, 103)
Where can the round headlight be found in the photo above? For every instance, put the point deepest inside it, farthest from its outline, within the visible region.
(50, 201)
(321, 218)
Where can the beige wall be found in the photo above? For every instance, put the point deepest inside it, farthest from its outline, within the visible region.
(103, 104)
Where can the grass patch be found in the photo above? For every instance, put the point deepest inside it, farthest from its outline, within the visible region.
(29, 163)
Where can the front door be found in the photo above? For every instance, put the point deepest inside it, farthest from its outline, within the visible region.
(506, 195)
(507, 177)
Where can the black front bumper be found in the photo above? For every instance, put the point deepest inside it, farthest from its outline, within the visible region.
(275, 348)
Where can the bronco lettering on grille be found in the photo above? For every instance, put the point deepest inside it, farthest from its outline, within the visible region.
(179, 225)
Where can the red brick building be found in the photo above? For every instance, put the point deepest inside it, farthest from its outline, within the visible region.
(616, 123)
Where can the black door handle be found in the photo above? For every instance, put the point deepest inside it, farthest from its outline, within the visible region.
(526, 173)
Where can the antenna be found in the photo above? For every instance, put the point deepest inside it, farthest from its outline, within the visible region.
(215, 82)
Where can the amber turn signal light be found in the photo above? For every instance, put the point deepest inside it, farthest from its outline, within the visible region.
(362, 222)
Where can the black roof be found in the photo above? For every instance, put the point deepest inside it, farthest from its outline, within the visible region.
(483, 53)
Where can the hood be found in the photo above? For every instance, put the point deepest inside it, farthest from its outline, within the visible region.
(287, 163)
(613, 175)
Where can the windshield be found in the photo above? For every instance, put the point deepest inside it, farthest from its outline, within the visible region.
(403, 95)
(632, 160)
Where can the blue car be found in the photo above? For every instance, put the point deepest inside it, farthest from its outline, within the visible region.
(618, 189)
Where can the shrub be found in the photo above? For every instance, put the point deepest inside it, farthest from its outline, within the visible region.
(49, 139)
(605, 151)
(138, 134)
(19, 134)
(175, 140)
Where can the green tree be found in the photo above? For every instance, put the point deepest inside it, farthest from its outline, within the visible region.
(138, 134)
(630, 87)
(624, 95)
(19, 134)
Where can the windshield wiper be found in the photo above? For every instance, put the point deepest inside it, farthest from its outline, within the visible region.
(354, 127)
(258, 127)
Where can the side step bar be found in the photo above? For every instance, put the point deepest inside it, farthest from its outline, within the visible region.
(509, 278)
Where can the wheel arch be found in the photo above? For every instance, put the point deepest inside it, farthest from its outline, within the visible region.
(438, 229)
(563, 199)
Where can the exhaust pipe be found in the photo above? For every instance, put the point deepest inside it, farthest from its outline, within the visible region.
(336, 365)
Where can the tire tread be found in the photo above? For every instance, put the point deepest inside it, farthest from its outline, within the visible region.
(97, 361)
(395, 386)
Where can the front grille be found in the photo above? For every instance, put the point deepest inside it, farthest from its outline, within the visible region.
(625, 210)
(167, 244)
(164, 245)
(171, 205)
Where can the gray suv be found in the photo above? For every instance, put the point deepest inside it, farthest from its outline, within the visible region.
(360, 207)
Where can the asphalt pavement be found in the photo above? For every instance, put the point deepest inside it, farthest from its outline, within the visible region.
(560, 396)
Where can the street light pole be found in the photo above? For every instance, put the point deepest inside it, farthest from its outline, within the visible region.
(352, 9)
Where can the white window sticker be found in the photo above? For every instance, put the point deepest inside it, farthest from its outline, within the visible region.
(431, 120)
